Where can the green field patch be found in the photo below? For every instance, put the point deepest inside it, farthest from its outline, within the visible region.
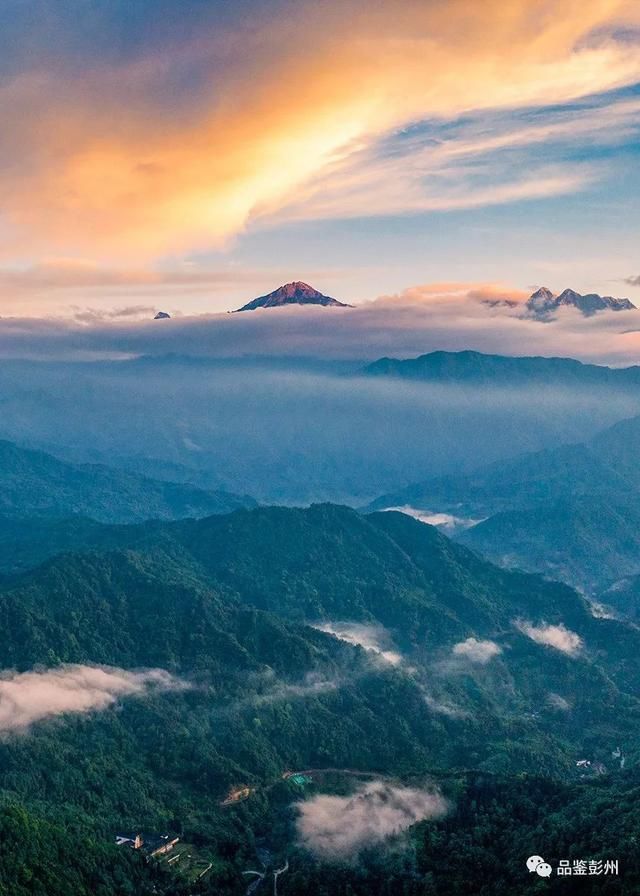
(189, 861)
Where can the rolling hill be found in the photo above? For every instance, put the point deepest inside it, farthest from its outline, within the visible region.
(34, 483)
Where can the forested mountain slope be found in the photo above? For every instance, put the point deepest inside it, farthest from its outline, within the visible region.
(483, 669)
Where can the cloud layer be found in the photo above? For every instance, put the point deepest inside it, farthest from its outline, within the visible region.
(452, 316)
(29, 697)
(336, 827)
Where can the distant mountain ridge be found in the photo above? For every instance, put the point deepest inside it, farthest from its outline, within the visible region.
(295, 293)
(479, 368)
(543, 302)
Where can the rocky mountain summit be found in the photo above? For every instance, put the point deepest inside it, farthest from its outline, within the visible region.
(295, 293)
(543, 302)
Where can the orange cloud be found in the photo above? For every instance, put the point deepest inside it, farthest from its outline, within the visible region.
(67, 285)
(98, 165)
(453, 294)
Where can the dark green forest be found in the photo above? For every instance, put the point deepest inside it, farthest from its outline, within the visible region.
(228, 605)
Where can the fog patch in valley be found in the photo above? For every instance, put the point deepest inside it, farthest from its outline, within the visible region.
(446, 521)
(29, 697)
(313, 685)
(556, 701)
(339, 827)
(373, 638)
(601, 611)
(442, 708)
(476, 651)
(265, 688)
(557, 636)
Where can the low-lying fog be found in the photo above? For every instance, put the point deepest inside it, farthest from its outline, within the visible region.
(285, 433)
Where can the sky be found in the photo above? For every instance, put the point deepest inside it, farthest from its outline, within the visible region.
(192, 155)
